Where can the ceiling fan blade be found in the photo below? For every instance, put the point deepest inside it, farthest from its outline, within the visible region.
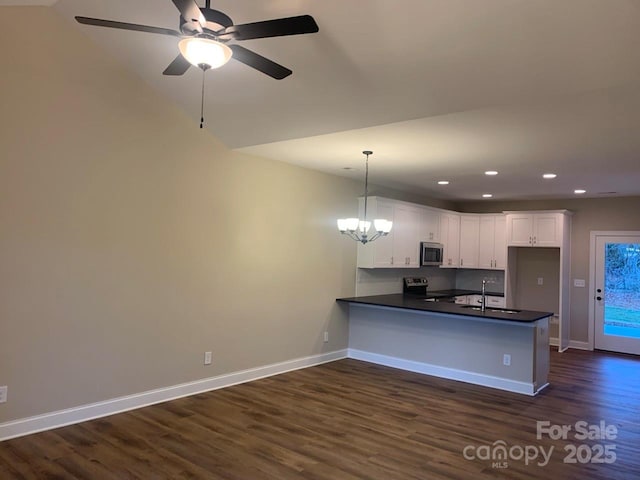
(191, 12)
(127, 26)
(260, 63)
(178, 67)
(271, 28)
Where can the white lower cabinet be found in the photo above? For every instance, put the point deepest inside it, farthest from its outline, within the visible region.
(492, 301)
(497, 302)
(475, 299)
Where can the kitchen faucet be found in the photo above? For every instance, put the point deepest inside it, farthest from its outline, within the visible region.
(483, 302)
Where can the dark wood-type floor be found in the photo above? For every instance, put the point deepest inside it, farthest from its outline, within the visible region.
(350, 420)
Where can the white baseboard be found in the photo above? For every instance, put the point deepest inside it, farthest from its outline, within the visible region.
(579, 345)
(61, 418)
(446, 372)
(572, 344)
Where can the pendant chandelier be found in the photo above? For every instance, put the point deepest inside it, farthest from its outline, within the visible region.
(358, 229)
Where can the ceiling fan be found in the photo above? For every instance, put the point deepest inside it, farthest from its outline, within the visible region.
(205, 33)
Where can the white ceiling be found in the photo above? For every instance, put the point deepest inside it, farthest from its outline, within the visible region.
(438, 89)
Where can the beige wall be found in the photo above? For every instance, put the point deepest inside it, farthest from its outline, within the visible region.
(132, 241)
(589, 214)
(531, 264)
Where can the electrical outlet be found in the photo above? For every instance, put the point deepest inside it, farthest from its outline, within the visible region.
(207, 358)
(540, 281)
(506, 360)
(326, 337)
(4, 390)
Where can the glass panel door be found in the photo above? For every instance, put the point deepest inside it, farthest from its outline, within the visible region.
(617, 294)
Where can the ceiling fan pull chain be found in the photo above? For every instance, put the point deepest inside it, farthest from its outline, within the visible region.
(202, 101)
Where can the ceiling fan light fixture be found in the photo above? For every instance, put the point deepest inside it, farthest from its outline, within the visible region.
(204, 52)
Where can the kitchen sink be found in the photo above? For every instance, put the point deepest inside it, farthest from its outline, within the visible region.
(493, 310)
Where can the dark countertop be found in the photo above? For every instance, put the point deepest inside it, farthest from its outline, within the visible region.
(420, 304)
(458, 292)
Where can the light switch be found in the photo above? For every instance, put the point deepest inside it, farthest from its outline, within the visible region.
(578, 282)
(540, 281)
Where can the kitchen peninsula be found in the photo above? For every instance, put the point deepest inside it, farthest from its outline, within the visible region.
(499, 348)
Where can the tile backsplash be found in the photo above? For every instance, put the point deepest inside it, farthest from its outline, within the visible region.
(381, 281)
(471, 279)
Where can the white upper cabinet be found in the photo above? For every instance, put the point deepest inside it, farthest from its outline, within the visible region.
(450, 239)
(493, 242)
(469, 240)
(379, 253)
(500, 243)
(547, 229)
(529, 229)
(406, 240)
(401, 247)
(430, 225)
(520, 229)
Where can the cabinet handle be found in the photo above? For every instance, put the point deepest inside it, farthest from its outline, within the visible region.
(391, 260)
(535, 240)
(461, 262)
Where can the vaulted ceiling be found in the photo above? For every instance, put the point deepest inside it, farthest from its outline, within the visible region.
(438, 89)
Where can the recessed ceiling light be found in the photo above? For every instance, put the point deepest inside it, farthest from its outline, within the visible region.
(443, 182)
(579, 191)
(549, 175)
(490, 172)
(486, 195)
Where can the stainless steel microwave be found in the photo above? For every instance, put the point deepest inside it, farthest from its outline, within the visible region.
(431, 254)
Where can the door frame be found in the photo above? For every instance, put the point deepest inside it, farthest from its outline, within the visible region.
(594, 234)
